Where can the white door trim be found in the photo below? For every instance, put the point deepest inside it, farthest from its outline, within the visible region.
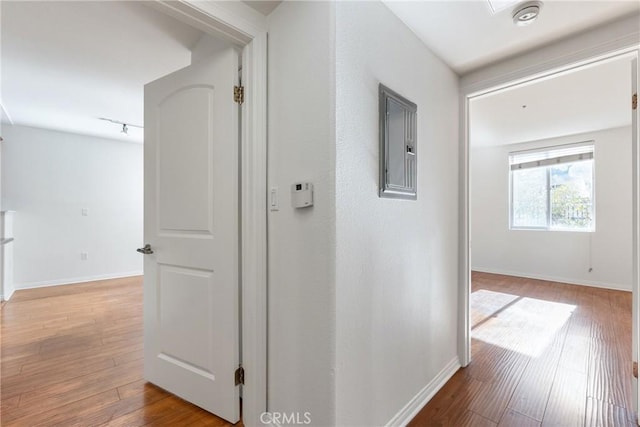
(527, 75)
(243, 26)
(635, 162)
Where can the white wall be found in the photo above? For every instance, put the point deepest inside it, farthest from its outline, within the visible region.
(48, 177)
(556, 255)
(302, 242)
(396, 260)
(208, 46)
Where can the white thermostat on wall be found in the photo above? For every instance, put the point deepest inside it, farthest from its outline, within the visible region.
(302, 195)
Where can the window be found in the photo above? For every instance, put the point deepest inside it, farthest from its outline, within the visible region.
(552, 188)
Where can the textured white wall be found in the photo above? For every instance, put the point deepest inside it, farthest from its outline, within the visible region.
(556, 255)
(396, 260)
(47, 178)
(302, 241)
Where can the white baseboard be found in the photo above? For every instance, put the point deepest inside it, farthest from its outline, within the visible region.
(418, 402)
(8, 297)
(74, 280)
(592, 283)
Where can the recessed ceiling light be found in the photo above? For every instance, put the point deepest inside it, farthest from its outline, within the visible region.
(526, 13)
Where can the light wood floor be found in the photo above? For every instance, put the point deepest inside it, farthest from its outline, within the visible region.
(72, 356)
(544, 353)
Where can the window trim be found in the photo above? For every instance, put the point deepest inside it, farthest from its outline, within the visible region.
(547, 163)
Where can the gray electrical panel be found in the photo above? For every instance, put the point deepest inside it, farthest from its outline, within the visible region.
(398, 146)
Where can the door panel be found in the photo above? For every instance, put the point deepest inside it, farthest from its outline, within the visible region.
(185, 115)
(191, 308)
(179, 288)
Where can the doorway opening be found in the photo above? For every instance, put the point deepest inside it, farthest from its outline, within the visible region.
(181, 28)
(551, 278)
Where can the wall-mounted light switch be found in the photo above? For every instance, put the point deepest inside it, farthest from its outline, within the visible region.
(84, 256)
(273, 199)
(85, 211)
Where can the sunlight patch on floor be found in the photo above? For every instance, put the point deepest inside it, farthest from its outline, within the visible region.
(522, 324)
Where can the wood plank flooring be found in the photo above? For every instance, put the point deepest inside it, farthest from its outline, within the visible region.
(72, 356)
(544, 354)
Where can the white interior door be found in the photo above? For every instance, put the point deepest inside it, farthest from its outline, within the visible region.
(191, 278)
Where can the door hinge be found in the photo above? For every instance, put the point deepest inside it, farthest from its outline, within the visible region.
(634, 101)
(240, 375)
(635, 369)
(238, 94)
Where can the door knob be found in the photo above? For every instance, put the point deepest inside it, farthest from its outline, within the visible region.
(145, 250)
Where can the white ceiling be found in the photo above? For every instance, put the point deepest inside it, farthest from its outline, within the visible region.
(590, 99)
(466, 35)
(64, 64)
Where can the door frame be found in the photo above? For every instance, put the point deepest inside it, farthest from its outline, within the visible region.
(541, 71)
(246, 28)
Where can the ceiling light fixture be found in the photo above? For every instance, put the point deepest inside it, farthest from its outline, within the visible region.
(125, 126)
(526, 13)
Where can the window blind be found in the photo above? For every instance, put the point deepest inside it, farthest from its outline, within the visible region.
(551, 156)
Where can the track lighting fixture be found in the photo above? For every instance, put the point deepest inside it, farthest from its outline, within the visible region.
(125, 126)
